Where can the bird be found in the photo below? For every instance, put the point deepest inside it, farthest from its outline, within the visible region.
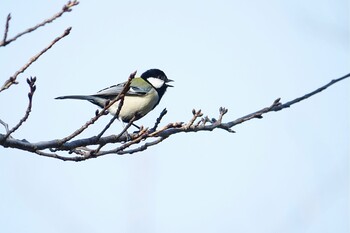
(143, 96)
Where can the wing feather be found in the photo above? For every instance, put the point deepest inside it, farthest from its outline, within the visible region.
(112, 91)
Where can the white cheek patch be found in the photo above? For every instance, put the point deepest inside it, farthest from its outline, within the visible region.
(156, 82)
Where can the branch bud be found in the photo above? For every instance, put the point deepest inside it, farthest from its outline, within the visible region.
(107, 102)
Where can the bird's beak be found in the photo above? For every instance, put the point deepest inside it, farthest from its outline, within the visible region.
(168, 81)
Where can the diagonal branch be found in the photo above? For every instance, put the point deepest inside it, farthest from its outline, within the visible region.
(12, 79)
(277, 106)
(66, 8)
(318, 90)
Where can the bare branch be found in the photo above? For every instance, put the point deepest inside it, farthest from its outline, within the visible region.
(258, 114)
(79, 146)
(139, 137)
(6, 28)
(31, 83)
(143, 147)
(94, 152)
(66, 8)
(290, 103)
(57, 156)
(196, 115)
(277, 106)
(162, 114)
(12, 79)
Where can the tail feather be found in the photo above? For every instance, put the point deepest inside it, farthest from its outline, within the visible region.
(93, 99)
(77, 97)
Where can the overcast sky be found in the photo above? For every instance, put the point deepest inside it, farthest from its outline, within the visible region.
(288, 172)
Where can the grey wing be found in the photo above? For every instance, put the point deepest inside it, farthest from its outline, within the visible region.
(112, 91)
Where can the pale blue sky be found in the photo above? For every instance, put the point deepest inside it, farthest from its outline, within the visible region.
(288, 172)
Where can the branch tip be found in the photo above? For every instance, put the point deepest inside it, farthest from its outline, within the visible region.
(223, 110)
(67, 7)
(4, 41)
(67, 31)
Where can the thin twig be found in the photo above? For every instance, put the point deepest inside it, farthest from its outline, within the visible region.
(107, 126)
(121, 102)
(290, 103)
(130, 123)
(258, 114)
(222, 112)
(6, 28)
(12, 79)
(277, 106)
(196, 114)
(120, 97)
(176, 125)
(159, 119)
(5, 125)
(66, 8)
(143, 147)
(57, 156)
(31, 83)
(141, 135)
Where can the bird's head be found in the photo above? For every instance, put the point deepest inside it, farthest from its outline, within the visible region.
(157, 79)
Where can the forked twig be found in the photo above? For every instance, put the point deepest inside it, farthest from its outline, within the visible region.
(5, 125)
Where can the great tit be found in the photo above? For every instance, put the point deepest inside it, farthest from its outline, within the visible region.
(143, 96)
